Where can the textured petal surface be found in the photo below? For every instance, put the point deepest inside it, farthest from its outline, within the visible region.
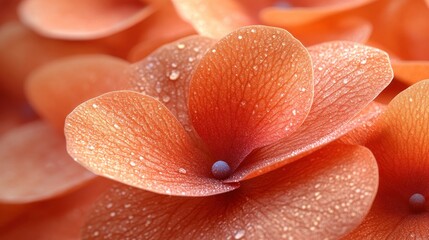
(323, 196)
(213, 18)
(252, 88)
(301, 12)
(59, 218)
(81, 19)
(71, 81)
(347, 77)
(35, 165)
(134, 139)
(411, 72)
(165, 74)
(402, 152)
(16, 42)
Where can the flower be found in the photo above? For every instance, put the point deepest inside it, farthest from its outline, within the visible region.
(257, 100)
(400, 145)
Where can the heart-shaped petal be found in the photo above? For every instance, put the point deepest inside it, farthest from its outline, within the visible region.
(254, 87)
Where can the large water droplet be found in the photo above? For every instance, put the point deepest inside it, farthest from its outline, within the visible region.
(239, 234)
(174, 75)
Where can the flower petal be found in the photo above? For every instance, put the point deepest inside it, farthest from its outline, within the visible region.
(302, 12)
(71, 81)
(34, 165)
(346, 29)
(323, 196)
(254, 87)
(411, 72)
(166, 73)
(16, 42)
(213, 18)
(82, 19)
(166, 25)
(134, 139)
(402, 152)
(59, 218)
(347, 77)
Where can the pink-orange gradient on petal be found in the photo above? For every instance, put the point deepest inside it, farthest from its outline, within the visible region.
(325, 195)
(299, 12)
(410, 72)
(58, 218)
(35, 165)
(347, 77)
(402, 152)
(56, 88)
(82, 19)
(254, 87)
(135, 139)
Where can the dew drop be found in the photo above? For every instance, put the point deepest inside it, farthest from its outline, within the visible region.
(174, 75)
(166, 99)
(116, 126)
(253, 30)
(182, 170)
(181, 46)
(191, 59)
(174, 65)
(363, 61)
(239, 234)
(112, 214)
(345, 81)
(95, 234)
(94, 105)
(294, 112)
(240, 37)
(417, 202)
(213, 50)
(132, 163)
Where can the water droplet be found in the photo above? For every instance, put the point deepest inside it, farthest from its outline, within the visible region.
(345, 81)
(116, 126)
(410, 99)
(239, 234)
(191, 59)
(109, 205)
(255, 67)
(132, 163)
(166, 99)
(274, 36)
(127, 205)
(294, 112)
(213, 50)
(243, 103)
(363, 61)
(112, 214)
(253, 30)
(94, 105)
(240, 37)
(181, 46)
(182, 170)
(174, 65)
(95, 234)
(174, 75)
(168, 191)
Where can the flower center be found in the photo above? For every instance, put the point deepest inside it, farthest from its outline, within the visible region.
(417, 202)
(221, 170)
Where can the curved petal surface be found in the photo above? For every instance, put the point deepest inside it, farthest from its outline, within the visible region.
(35, 165)
(411, 72)
(252, 88)
(59, 218)
(402, 152)
(134, 139)
(81, 19)
(323, 196)
(165, 74)
(71, 81)
(302, 12)
(347, 77)
(213, 18)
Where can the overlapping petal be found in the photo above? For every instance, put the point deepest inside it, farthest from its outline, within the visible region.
(35, 165)
(135, 139)
(72, 80)
(59, 218)
(347, 77)
(254, 87)
(213, 18)
(299, 12)
(402, 152)
(411, 72)
(81, 19)
(323, 196)
(166, 73)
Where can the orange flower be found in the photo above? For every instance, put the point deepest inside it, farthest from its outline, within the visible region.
(258, 100)
(400, 145)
